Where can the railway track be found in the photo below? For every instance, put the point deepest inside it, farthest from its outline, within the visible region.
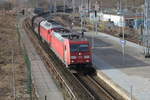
(81, 87)
(66, 79)
(97, 90)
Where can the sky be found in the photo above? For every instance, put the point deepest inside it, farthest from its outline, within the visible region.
(2, 0)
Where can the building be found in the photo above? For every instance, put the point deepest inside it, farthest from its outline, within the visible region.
(130, 20)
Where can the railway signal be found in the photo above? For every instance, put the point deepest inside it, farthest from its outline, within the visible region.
(23, 12)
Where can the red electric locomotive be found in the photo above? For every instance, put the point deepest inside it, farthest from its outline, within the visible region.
(70, 47)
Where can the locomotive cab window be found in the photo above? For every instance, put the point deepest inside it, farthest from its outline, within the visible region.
(62, 30)
(79, 47)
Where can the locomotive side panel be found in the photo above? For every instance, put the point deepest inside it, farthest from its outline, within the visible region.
(49, 36)
(57, 46)
(43, 33)
(67, 52)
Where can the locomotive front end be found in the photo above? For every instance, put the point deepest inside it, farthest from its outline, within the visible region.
(80, 53)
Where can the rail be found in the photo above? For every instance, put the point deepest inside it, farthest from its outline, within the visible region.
(97, 90)
(74, 88)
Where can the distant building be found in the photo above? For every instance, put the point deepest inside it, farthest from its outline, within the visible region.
(132, 21)
(118, 20)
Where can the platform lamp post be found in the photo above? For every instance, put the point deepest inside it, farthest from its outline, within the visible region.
(122, 40)
(94, 28)
(123, 37)
(123, 34)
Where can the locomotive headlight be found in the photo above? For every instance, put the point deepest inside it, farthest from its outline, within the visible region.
(86, 57)
(73, 57)
(87, 61)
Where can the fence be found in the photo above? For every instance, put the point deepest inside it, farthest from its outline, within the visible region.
(28, 64)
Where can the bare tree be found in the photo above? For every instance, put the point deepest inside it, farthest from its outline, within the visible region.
(6, 5)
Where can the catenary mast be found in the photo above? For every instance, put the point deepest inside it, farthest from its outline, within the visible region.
(146, 34)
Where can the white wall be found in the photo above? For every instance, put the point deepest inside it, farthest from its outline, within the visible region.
(117, 19)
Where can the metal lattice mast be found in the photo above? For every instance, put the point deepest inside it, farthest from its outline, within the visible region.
(146, 35)
(73, 6)
(33, 3)
(55, 8)
(64, 5)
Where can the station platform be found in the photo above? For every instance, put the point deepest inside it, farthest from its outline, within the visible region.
(129, 75)
(46, 88)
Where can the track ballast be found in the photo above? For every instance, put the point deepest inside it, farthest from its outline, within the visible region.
(78, 86)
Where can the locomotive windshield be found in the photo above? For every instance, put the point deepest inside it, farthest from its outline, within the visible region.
(79, 47)
(61, 30)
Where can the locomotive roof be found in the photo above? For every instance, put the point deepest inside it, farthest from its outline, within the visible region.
(49, 25)
(60, 32)
(53, 22)
(63, 33)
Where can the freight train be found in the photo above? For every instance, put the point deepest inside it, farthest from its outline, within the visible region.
(70, 47)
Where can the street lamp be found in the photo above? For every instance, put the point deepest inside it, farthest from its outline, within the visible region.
(123, 42)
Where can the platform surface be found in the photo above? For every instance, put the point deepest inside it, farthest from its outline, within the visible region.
(129, 71)
(45, 86)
